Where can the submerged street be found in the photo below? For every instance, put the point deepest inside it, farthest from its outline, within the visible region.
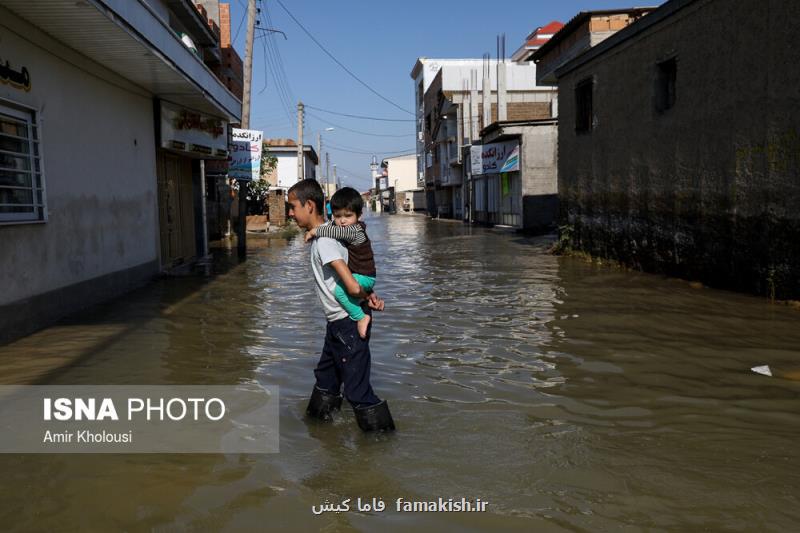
(566, 395)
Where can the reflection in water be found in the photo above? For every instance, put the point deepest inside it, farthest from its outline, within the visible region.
(566, 395)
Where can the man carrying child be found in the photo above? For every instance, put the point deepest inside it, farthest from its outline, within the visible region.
(345, 359)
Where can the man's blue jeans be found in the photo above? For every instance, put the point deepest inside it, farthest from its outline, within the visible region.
(345, 360)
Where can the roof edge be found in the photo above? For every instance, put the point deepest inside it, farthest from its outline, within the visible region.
(665, 11)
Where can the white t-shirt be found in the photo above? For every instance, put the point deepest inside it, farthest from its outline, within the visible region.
(324, 250)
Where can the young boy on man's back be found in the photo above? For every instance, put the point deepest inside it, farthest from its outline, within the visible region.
(347, 206)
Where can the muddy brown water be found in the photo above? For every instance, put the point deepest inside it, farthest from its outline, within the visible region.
(569, 396)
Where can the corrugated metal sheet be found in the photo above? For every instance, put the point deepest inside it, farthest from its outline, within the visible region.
(132, 42)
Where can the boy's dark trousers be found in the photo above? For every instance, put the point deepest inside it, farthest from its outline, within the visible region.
(346, 359)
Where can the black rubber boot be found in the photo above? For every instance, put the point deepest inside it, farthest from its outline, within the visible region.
(323, 404)
(374, 417)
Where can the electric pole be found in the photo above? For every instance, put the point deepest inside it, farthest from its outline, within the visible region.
(300, 117)
(319, 156)
(327, 173)
(241, 230)
(335, 183)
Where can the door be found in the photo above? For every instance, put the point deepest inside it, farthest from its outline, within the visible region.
(175, 209)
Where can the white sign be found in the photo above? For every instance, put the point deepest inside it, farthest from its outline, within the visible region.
(185, 130)
(496, 158)
(475, 161)
(245, 154)
(384, 183)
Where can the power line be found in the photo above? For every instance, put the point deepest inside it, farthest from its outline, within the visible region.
(355, 150)
(239, 27)
(360, 116)
(283, 92)
(357, 131)
(279, 58)
(353, 174)
(362, 82)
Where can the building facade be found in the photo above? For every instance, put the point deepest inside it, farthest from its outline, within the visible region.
(100, 149)
(285, 173)
(401, 174)
(683, 137)
(514, 179)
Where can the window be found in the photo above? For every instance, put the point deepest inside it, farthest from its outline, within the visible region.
(583, 106)
(666, 75)
(22, 197)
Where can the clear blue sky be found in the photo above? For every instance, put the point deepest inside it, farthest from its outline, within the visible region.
(379, 42)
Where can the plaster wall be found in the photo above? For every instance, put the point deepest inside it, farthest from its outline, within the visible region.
(705, 190)
(98, 151)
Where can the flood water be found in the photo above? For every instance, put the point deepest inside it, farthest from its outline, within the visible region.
(570, 396)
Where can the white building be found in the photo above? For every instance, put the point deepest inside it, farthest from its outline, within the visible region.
(401, 176)
(454, 112)
(105, 115)
(285, 173)
(455, 100)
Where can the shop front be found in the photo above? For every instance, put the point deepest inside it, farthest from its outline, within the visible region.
(496, 184)
(186, 139)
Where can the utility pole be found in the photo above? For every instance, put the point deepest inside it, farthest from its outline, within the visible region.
(300, 112)
(319, 156)
(241, 230)
(327, 172)
(335, 183)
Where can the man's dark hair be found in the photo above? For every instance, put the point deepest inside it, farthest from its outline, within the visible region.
(309, 189)
(347, 198)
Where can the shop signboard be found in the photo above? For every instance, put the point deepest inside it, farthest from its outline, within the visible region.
(194, 133)
(245, 154)
(495, 158)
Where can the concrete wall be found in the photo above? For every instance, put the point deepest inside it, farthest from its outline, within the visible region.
(98, 145)
(287, 169)
(708, 189)
(403, 172)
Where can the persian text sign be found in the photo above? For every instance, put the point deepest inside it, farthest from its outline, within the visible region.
(496, 158)
(245, 154)
(185, 130)
(138, 419)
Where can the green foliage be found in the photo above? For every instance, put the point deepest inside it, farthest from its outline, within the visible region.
(257, 191)
(564, 243)
(268, 161)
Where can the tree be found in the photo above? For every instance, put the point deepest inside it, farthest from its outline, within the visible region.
(257, 190)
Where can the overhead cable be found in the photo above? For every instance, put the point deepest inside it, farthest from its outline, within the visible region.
(362, 82)
(360, 116)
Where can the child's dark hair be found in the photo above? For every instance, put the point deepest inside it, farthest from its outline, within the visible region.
(309, 189)
(347, 198)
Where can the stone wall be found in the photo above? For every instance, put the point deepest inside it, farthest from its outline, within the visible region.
(709, 188)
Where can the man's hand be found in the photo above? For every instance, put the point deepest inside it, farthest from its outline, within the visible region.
(310, 234)
(374, 302)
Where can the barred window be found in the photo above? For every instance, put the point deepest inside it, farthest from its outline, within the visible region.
(22, 196)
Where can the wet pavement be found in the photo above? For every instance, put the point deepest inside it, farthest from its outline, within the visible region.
(568, 395)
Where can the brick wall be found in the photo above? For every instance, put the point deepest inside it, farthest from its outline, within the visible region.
(224, 25)
(521, 110)
(277, 208)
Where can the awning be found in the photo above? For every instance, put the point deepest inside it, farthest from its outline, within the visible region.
(128, 38)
